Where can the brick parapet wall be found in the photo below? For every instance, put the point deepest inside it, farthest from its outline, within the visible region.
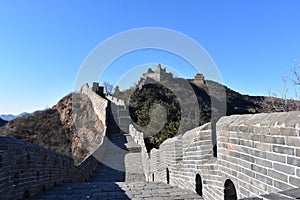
(260, 153)
(115, 100)
(138, 137)
(184, 156)
(27, 169)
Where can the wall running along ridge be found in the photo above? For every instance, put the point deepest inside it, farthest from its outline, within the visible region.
(27, 169)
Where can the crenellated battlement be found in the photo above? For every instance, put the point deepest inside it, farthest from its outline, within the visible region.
(256, 155)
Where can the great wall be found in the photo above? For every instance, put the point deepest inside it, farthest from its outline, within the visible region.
(257, 156)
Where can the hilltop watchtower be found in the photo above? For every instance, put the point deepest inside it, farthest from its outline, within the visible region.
(158, 75)
(198, 79)
(98, 89)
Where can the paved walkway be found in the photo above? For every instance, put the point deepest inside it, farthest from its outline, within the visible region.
(117, 191)
(118, 176)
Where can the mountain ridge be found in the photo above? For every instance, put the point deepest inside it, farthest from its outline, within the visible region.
(212, 97)
(9, 117)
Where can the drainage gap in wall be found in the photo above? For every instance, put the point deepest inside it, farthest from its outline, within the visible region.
(198, 184)
(229, 190)
(152, 177)
(168, 176)
(215, 150)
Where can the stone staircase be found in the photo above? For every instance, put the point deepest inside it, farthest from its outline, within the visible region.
(119, 174)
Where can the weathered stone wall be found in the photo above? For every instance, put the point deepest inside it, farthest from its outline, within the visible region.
(138, 137)
(183, 157)
(27, 169)
(116, 101)
(99, 103)
(123, 117)
(259, 153)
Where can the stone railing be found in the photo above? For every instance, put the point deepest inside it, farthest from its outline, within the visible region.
(257, 154)
(27, 169)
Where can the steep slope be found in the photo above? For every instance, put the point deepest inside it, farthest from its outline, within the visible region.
(55, 128)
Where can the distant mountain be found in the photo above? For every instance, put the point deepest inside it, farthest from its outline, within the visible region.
(156, 90)
(12, 117)
(2, 122)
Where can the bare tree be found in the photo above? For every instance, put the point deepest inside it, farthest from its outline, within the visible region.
(296, 73)
(296, 83)
(108, 87)
(284, 93)
(293, 80)
(290, 92)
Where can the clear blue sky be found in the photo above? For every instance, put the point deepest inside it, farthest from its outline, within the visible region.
(254, 43)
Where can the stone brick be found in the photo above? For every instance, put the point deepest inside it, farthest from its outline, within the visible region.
(259, 169)
(284, 168)
(244, 192)
(298, 172)
(243, 177)
(293, 141)
(260, 185)
(261, 154)
(264, 163)
(281, 185)
(247, 143)
(278, 140)
(293, 161)
(298, 152)
(276, 175)
(283, 150)
(247, 158)
(248, 172)
(294, 181)
(264, 179)
(276, 157)
(262, 146)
